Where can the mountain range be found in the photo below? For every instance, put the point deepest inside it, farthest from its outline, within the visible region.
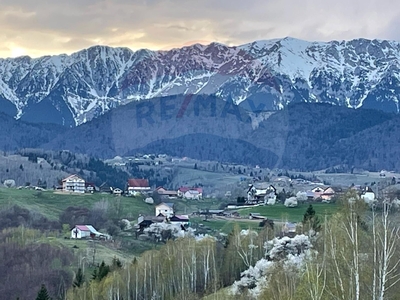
(264, 75)
(302, 137)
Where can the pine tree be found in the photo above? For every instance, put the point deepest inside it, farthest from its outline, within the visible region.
(116, 263)
(94, 274)
(311, 219)
(310, 213)
(101, 272)
(43, 294)
(79, 279)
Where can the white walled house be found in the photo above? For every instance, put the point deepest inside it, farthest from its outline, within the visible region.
(368, 195)
(73, 184)
(195, 193)
(182, 220)
(86, 231)
(117, 191)
(165, 209)
(138, 186)
(192, 195)
(80, 232)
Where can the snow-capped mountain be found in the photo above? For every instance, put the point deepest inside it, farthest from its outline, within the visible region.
(264, 75)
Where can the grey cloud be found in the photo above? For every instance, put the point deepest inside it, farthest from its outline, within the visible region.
(45, 26)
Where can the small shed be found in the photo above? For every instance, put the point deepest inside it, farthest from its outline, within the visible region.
(80, 232)
(86, 231)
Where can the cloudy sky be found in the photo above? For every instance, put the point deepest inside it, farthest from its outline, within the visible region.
(39, 27)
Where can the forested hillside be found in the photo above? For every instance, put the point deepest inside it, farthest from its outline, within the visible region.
(353, 254)
(15, 135)
(303, 137)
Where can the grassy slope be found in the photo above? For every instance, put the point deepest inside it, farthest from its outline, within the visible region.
(279, 212)
(51, 204)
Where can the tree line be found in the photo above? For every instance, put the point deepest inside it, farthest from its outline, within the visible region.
(354, 254)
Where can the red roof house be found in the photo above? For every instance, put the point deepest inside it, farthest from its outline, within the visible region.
(138, 186)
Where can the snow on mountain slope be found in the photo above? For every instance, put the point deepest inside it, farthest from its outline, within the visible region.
(263, 75)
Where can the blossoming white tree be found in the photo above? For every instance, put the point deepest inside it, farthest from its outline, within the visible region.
(288, 253)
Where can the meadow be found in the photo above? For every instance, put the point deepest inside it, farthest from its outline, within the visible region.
(51, 204)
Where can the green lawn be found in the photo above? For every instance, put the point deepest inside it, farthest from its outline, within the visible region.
(51, 204)
(279, 212)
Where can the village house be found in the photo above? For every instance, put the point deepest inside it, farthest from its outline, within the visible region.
(182, 220)
(328, 194)
(190, 193)
(368, 195)
(165, 209)
(331, 192)
(138, 186)
(73, 184)
(90, 187)
(86, 231)
(257, 195)
(164, 193)
(318, 191)
(117, 192)
(146, 221)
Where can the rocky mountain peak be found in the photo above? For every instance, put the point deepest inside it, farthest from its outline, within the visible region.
(266, 74)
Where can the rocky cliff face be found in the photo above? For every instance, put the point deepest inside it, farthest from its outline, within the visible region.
(264, 75)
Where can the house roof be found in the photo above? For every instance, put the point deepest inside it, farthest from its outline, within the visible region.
(310, 194)
(329, 191)
(92, 229)
(178, 218)
(134, 182)
(89, 228)
(82, 227)
(148, 220)
(184, 189)
(318, 188)
(368, 189)
(162, 191)
(74, 176)
(193, 192)
(250, 187)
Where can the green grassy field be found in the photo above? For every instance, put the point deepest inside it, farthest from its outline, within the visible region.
(51, 204)
(279, 212)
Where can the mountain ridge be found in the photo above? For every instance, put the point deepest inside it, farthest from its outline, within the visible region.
(266, 75)
(300, 137)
